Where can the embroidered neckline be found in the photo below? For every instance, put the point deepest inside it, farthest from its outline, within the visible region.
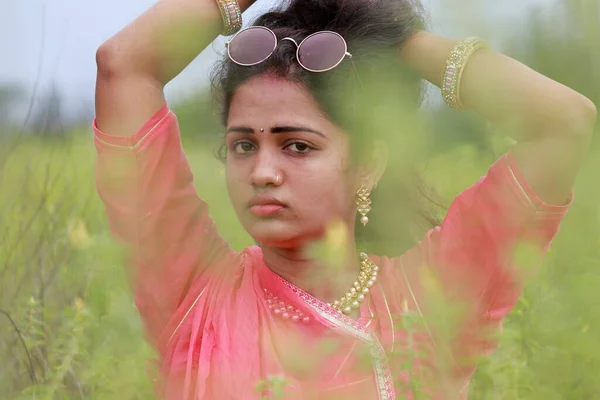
(336, 318)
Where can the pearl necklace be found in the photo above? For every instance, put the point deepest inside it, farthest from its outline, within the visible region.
(367, 277)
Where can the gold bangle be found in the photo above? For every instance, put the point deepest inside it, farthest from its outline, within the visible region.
(455, 67)
(232, 16)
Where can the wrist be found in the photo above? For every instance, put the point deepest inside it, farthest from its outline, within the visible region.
(245, 4)
(411, 46)
(426, 53)
(231, 14)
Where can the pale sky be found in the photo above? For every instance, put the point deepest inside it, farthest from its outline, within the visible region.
(48, 41)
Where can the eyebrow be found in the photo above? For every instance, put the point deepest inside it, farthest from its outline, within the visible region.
(275, 130)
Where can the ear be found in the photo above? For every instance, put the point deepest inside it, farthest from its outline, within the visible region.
(374, 166)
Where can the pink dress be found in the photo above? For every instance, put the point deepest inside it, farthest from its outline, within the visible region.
(222, 321)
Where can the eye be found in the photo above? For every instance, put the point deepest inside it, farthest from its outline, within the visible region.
(299, 147)
(242, 147)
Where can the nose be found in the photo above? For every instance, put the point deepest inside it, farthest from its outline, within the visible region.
(266, 171)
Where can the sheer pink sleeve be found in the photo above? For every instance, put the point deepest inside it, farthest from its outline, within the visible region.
(146, 185)
(475, 254)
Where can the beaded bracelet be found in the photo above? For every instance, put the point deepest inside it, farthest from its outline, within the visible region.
(232, 16)
(455, 66)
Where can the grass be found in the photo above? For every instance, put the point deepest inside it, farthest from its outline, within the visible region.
(70, 329)
(77, 334)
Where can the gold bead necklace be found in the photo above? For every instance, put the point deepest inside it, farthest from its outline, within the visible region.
(367, 277)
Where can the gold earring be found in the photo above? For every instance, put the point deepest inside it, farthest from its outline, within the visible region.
(363, 203)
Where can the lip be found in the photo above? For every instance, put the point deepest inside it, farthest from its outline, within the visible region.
(265, 205)
(265, 200)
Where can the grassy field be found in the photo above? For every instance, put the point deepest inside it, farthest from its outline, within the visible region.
(70, 328)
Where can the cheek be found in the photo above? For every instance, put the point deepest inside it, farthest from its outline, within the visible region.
(335, 174)
(235, 178)
(328, 191)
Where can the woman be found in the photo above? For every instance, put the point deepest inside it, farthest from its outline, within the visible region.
(231, 325)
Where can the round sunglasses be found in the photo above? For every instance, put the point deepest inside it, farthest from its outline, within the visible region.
(318, 52)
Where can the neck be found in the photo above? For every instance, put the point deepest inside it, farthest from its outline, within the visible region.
(326, 277)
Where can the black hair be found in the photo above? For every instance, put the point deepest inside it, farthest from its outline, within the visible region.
(402, 209)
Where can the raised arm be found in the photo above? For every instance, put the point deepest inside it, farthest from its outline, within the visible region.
(136, 63)
(142, 174)
(477, 255)
(552, 123)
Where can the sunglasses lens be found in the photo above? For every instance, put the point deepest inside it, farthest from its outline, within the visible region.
(322, 51)
(252, 46)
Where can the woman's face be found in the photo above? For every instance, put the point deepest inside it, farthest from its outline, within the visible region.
(288, 166)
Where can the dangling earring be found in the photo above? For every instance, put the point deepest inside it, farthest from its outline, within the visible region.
(363, 203)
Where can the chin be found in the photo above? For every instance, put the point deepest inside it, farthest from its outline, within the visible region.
(278, 233)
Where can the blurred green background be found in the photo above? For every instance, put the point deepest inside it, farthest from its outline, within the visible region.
(68, 325)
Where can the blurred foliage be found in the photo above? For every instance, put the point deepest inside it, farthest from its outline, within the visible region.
(69, 325)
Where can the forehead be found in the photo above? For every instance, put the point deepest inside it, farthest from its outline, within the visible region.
(269, 101)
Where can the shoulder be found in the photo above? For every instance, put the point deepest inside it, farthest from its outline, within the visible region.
(399, 278)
